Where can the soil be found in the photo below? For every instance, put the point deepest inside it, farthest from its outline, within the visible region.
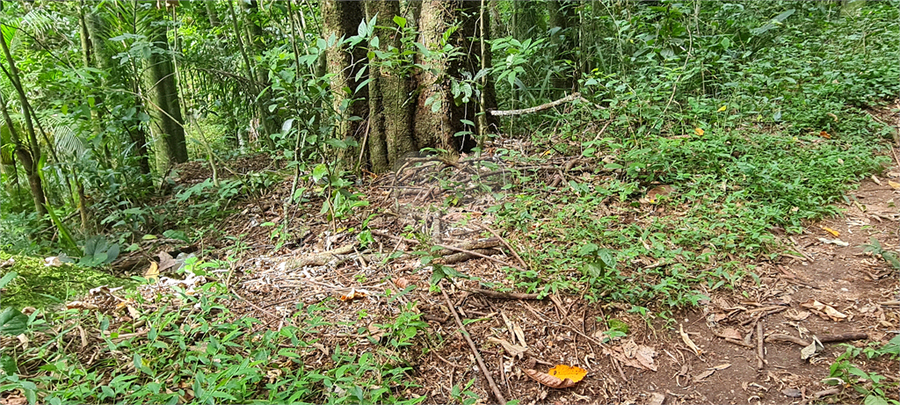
(829, 287)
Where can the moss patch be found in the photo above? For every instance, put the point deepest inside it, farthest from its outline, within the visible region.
(41, 286)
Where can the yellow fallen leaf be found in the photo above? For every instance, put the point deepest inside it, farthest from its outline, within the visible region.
(152, 273)
(563, 372)
(723, 108)
(894, 185)
(548, 380)
(698, 131)
(831, 231)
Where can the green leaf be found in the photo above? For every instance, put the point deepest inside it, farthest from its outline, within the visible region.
(875, 400)
(12, 322)
(7, 278)
(400, 21)
(319, 172)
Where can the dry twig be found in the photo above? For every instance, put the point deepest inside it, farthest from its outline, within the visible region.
(484, 370)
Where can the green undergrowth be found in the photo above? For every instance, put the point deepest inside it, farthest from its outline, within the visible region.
(41, 286)
(190, 348)
(753, 140)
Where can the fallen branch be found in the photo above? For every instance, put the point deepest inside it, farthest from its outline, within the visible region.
(320, 259)
(571, 97)
(760, 351)
(461, 257)
(502, 295)
(779, 337)
(843, 337)
(505, 243)
(484, 369)
(451, 248)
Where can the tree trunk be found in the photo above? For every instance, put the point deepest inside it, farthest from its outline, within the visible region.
(341, 19)
(166, 109)
(103, 59)
(256, 40)
(29, 157)
(8, 161)
(26, 158)
(564, 18)
(212, 14)
(390, 109)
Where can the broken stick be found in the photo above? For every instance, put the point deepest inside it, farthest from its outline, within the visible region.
(484, 369)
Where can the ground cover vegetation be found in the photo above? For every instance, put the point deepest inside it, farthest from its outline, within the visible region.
(698, 137)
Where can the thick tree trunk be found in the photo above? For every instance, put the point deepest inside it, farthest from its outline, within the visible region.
(438, 125)
(433, 126)
(390, 108)
(341, 21)
(163, 90)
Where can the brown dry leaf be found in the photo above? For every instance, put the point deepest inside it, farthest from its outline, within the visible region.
(633, 355)
(828, 310)
(702, 376)
(514, 350)
(645, 355)
(352, 295)
(731, 333)
(795, 315)
(656, 398)
(401, 282)
(165, 261)
(687, 340)
(14, 400)
(548, 380)
(81, 305)
(721, 366)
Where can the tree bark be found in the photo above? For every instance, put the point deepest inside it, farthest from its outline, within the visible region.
(103, 59)
(29, 157)
(390, 108)
(256, 41)
(564, 18)
(341, 19)
(171, 146)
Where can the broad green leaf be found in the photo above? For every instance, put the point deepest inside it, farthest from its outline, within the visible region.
(12, 322)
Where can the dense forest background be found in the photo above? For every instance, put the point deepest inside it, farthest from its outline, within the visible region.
(102, 98)
(641, 153)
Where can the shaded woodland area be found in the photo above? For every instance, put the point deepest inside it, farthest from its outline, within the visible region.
(449, 201)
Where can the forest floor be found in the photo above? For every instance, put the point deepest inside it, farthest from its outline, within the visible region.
(743, 345)
(753, 343)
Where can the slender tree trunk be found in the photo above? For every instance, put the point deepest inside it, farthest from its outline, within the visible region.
(8, 161)
(212, 14)
(26, 158)
(256, 40)
(563, 17)
(341, 20)
(171, 146)
(29, 157)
